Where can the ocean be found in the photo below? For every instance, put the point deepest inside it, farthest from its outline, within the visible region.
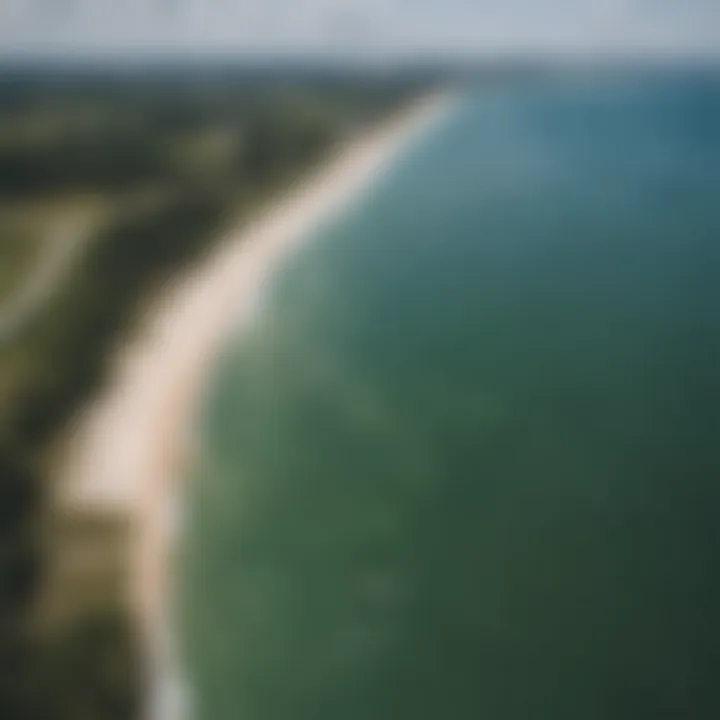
(467, 465)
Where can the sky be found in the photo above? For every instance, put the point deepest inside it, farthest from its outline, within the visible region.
(360, 27)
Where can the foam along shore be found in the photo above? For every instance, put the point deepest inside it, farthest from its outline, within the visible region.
(129, 451)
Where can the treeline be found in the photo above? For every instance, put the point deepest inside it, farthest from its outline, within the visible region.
(112, 137)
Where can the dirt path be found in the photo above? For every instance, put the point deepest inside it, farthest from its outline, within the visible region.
(36, 291)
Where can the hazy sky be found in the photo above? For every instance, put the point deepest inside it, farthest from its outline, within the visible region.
(360, 26)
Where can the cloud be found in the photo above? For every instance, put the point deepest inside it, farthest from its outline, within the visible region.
(465, 26)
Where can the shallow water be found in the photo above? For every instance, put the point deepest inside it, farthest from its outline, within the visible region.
(467, 466)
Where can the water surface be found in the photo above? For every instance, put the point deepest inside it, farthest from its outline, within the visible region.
(468, 465)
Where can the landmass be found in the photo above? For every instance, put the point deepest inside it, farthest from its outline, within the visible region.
(139, 214)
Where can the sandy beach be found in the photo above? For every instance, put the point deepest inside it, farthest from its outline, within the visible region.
(129, 452)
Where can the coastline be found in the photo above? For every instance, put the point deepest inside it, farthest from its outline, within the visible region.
(130, 449)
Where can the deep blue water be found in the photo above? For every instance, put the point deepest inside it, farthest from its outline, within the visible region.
(469, 464)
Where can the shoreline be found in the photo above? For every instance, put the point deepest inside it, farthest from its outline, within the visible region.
(132, 446)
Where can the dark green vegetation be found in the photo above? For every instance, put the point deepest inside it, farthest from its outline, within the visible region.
(159, 161)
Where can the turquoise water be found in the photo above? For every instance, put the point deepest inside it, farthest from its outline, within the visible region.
(468, 466)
